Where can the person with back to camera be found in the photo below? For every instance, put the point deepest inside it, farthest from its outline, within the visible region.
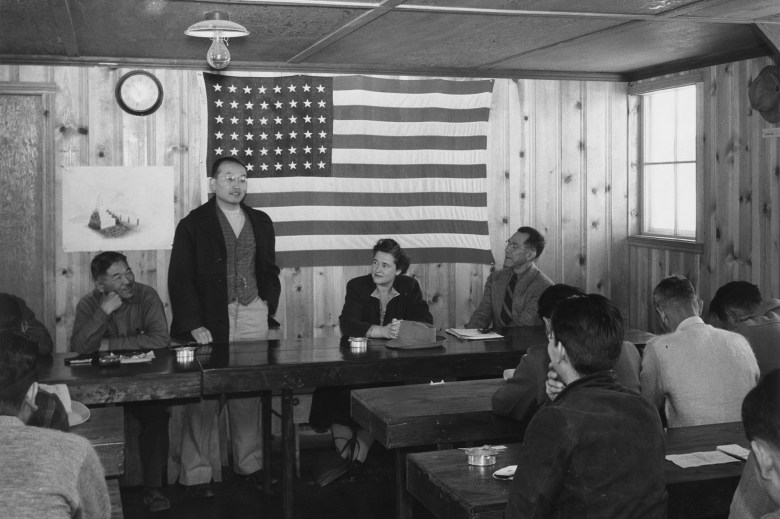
(374, 306)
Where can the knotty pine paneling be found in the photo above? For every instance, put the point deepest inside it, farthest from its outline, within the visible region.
(557, 161)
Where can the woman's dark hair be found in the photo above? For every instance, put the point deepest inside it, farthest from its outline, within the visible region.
(390, 246)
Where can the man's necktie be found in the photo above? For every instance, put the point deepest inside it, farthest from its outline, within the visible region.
(506, 310)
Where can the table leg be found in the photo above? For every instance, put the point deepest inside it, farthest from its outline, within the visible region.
(288, 454)
(403, 501)
(265, 398)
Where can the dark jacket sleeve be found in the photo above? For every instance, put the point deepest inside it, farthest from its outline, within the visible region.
(416, 307)
(483, 315)
(520, 396)
(182, 283)
(354, 320)
(36, 331)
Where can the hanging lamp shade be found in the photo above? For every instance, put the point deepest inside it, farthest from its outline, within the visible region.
(216, 24)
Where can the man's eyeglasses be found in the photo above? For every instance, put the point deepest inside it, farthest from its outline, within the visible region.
(232, 179)
(510, 245)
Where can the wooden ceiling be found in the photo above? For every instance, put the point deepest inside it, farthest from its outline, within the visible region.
(617, 40)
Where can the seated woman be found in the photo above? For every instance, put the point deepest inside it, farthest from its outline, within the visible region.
(374, 306)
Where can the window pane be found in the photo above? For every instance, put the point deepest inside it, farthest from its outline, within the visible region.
(659, 198)
(659, 117)
(686, 199)
(686, 123)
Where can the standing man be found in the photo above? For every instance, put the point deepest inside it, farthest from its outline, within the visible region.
(224, 286)
(511, 294)
(122, 314)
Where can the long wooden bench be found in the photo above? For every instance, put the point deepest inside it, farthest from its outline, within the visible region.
(116, 499)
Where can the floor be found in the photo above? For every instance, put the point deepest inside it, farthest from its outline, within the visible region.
(372, 497)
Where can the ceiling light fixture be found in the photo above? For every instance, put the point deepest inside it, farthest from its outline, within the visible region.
(219, 28)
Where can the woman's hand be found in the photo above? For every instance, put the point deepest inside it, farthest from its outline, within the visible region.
(389, 331)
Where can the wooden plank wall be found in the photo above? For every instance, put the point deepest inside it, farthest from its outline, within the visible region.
(741, 199)
(557, 162)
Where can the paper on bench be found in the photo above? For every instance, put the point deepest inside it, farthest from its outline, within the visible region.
(472, 334)
(697, 459)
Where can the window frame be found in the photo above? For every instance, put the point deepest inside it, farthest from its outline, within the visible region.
(636, 134)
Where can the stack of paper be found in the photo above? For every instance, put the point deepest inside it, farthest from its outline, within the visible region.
(471, 334)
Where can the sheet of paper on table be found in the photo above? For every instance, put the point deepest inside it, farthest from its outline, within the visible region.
(137, 357)
(697, 459)
(472, 334)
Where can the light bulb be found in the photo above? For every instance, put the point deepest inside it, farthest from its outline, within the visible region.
(218, 55)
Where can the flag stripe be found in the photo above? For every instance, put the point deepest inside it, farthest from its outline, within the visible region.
(324, 227)
(402, 171)
(331, 257)
(417, 86)
(416, 142)
(367, 241)
(405, 128)
(362, 156)
(368, 200)
(303, 213)
(410, 115)
(273, 185)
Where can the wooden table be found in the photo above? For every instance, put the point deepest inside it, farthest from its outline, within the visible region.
(452, 489)
(105, 430)
(161, 379)
(292, 364)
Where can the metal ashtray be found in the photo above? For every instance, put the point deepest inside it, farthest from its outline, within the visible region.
(481, 456)
(358, 343)
(185, 353)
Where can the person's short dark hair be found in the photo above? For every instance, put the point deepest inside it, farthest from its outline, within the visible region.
(674, 290)
(735, 294)
(390, 246)
(552, 296)
(760, 410)
(103, 261)
(18, 370)
(590, 327)
(535, 239)
(224, 160)
(10, 313)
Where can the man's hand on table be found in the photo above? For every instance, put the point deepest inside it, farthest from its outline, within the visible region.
(201, 335)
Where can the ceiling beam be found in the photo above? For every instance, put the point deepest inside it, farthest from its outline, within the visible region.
(346, 29)
(771, 35)
(60, 10)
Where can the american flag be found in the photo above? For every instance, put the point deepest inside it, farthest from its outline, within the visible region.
(340, 162)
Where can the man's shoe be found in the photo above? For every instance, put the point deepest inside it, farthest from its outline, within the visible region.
(257, 478)
(156, 500)
(202, 491)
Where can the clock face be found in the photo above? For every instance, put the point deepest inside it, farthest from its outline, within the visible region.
(139, 93)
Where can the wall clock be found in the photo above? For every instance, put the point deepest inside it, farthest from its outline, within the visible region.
(139, 92)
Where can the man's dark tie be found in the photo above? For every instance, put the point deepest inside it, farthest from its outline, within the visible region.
(506, 310)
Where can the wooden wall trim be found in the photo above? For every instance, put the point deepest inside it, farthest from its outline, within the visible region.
(664, 83)
(654, 242)
(11, 88)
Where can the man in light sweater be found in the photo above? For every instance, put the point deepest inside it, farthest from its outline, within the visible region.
(44, 473)
(696, 374)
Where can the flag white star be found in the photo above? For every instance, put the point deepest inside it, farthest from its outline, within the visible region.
(263, 136)
(249, 105)
(321, 119)
(218, 135)
(320, 89)
(277, 89)
(322, 135)
(293, 165)
(278, 166)
(278, 135)
(219, 103)
(232, 89)
(306, 88)
(250, 167)
(219, 119)
(307, 103)
(291, 88)
(307, 165)
(263, 120)
(263, 151)
(264, 105)
(293, 119)
(293, 135)
(307, 118)
(278, 105)
(218, 151)
(264, 166)
(278, 151)
(234, 104)
(321, 149)
(321, 165)
(234, 120)
(249, 120)
(249, 136)
(293, 103)
(307, 149)
(217, 87)
(261, 90)
(234, 136)
(307, 135)
(234, 151)
(278, 120)
(248, 152)
(321, 103)
(247, 90)
(292, 150)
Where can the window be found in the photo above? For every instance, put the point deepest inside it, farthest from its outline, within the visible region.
(668, 162)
